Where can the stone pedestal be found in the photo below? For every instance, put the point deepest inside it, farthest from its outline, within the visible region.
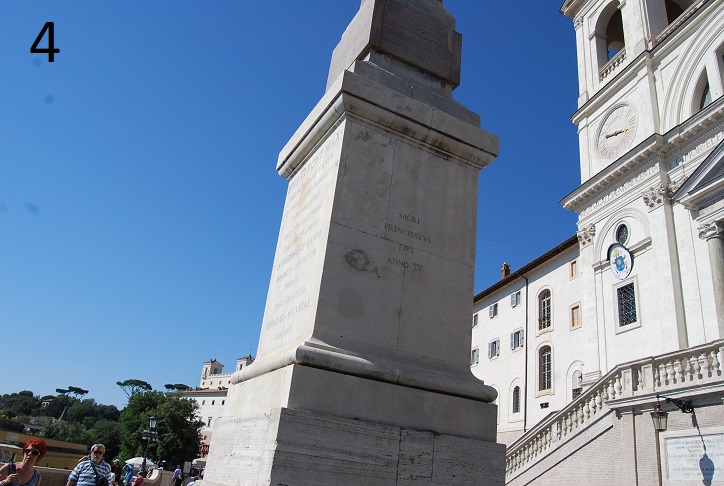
(363, 373)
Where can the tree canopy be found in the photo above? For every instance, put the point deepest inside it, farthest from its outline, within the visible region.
(86, 422)
(132, 387)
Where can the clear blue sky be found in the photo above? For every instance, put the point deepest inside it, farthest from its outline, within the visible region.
(139, 202)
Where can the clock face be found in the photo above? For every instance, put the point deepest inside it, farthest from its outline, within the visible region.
(617, 132)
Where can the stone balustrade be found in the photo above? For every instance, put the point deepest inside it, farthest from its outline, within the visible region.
(699, 365)
(611, 65)
(679, 20)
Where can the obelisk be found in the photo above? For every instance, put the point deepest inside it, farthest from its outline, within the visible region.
(362, 374)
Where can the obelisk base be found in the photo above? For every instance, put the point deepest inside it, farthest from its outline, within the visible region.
(294, 448)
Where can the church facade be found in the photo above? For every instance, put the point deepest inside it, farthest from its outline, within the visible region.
(632, 305)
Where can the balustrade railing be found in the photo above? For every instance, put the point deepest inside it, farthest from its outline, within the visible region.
(648, 376)
(680, 20)
(611, 65)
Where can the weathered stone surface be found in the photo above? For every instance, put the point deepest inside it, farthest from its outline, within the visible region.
(362, 374)
(420, 33)
(293, 447)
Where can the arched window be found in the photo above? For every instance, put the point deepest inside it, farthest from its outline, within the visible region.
(614, 35)
(516, 399)
(544, 310)
(576, 387)
(609, 39)
(675, 8)
(545, 371)
(705, 99)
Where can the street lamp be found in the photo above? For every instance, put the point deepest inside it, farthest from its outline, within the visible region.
(150, 436)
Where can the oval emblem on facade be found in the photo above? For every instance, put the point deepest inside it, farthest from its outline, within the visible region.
(620, 260)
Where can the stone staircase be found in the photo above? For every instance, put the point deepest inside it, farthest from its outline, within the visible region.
(637, 381)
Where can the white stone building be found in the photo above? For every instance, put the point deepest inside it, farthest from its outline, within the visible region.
(210, 395)
(631, 306)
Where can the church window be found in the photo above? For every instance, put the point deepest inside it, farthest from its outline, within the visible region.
(626, 297)
(545, 375)
(544, 310)
(674, 9)
(516, 339)
(493, 310)
(622, 234)
(474, 356)
(576, 316)
(576, 387)
(705, 97)
(614, 35)
(609, 40)
(516, 399)
(494, 348)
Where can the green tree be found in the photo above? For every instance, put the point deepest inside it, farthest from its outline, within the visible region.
(177, 427)
(134, 420)
(22, 403)
(132, 387)
(108, 433)
(178, 430)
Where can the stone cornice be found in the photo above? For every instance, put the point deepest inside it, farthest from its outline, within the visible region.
(356, 95)
(579, 200)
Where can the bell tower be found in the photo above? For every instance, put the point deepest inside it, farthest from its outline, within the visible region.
(618, 91)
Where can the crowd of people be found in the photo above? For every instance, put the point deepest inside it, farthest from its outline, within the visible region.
(91, 470)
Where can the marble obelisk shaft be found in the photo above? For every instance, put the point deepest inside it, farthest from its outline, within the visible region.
(362, 374)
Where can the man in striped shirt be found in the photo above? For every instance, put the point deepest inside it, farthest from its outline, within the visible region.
(84, 475)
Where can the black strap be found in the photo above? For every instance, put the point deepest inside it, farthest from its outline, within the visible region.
(95, 471)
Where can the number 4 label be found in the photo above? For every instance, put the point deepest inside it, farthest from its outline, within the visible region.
(50, 50)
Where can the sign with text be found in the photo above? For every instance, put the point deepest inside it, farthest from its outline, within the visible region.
(694, 457)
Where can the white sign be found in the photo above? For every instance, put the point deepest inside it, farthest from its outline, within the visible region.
(621, 261)
(695, 458)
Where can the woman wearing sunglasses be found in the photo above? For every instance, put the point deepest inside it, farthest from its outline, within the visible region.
(23, 473)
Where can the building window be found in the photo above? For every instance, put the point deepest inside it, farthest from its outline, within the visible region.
(626, 297)
(516, 339)
(622, 234)
(576, 388)
(516, 399)
(223, 402)
(494, 348)
(705, 97)
(544, 368)
(544, 310)
(203, 402)
(208, 424)
(474, 356)
(576, 316)
(475, 320)
(573, 269)
(493, 310)
(213, 402)
(515, 298)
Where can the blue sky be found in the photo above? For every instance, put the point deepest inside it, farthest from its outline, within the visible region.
(139, 202)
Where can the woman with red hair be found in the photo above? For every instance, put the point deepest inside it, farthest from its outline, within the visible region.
(23, 473)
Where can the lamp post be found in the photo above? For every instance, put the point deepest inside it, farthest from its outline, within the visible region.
(149, 435)
(660, 419)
